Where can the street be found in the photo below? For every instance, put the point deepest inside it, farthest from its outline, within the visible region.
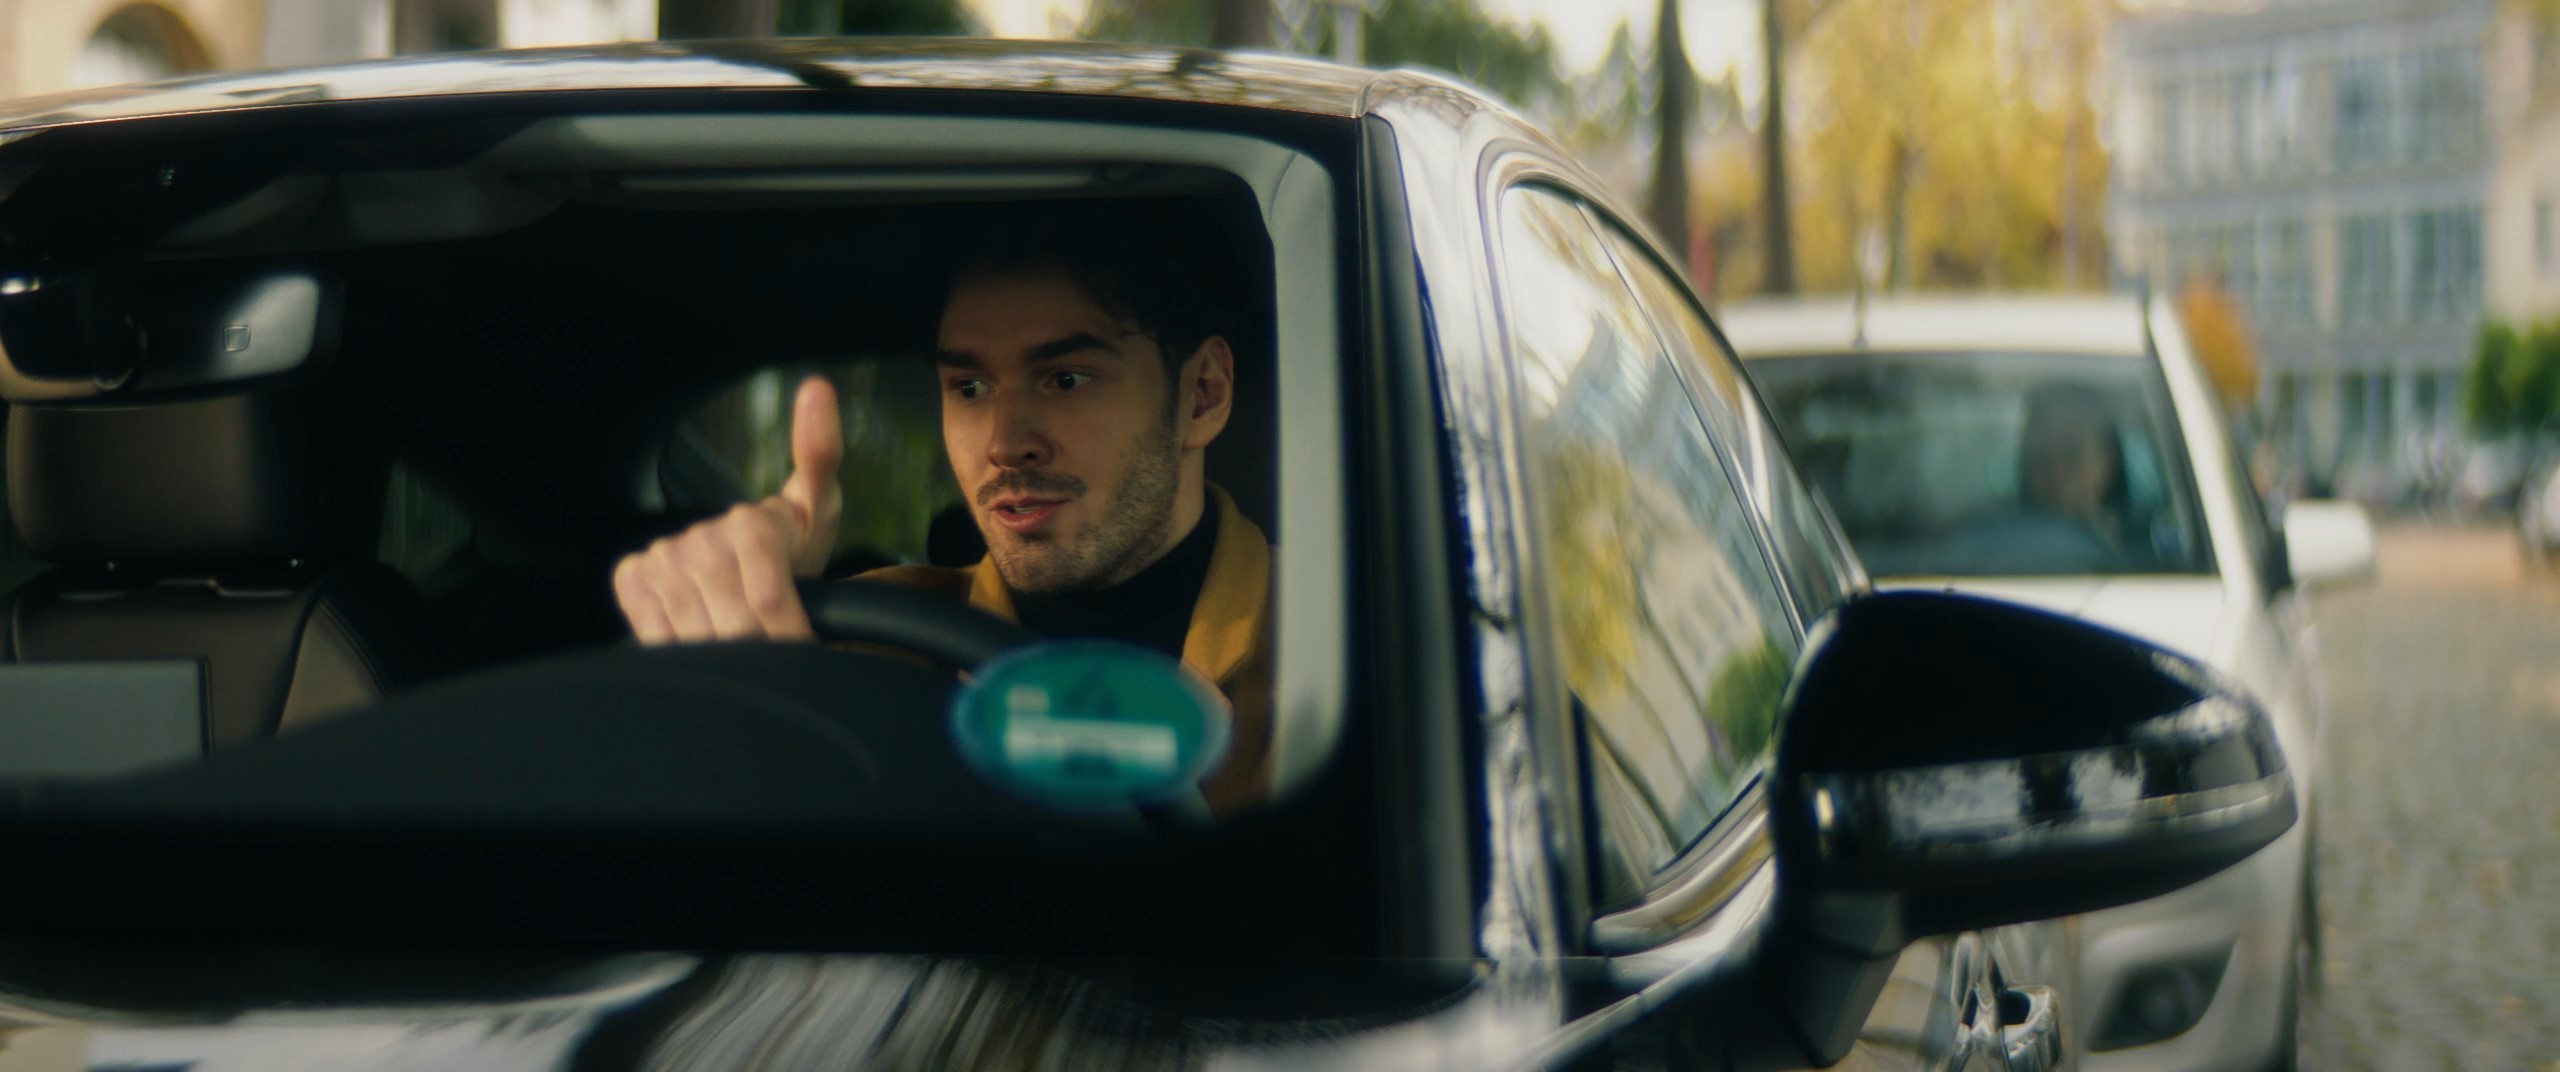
(2439, 829)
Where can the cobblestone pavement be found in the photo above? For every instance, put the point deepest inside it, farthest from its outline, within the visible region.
(2439, 827)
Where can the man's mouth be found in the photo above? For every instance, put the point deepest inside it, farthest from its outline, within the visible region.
(1025, 514)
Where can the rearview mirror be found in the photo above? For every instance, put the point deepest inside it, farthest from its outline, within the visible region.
(2328, 543)
(1952, 763)
(70, 336)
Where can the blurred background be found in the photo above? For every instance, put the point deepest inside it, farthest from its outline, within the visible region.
(2352, 200)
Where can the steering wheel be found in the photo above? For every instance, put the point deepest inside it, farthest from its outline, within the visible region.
(938, 627)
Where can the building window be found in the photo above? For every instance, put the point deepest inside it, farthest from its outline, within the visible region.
(2351, 414)
(2283, 121)
(2385, 413)
(2447, 105)
(2363, 112)
(2427, 275)
(2235, 259)
(2444, 259)
(2173, 130)
(2246, 133)
(2212, 126)
(2284, 290)
(2368, 265)
(2543, 253)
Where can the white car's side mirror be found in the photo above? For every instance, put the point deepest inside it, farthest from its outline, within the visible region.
(2328, 543)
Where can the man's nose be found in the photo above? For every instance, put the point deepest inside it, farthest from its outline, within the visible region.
(1017, 440)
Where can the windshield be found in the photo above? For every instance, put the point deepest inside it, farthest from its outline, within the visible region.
(1993, 464)
(1028, 620)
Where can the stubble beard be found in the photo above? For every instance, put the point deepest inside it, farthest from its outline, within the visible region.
(1122, 541)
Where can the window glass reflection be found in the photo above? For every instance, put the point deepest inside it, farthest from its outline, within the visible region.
(1674, 641)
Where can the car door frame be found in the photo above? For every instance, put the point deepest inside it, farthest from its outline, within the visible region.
(1466, 157)
(1704, 911)
(1537, 901)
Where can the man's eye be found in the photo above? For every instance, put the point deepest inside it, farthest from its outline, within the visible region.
(968, 388)
(1068, 381)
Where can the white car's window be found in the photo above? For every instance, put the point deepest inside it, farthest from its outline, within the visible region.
(1993, 464)
(1674, 639)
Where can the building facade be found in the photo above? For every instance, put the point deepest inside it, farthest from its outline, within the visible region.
(2524, 186)
(48, 46)
(2334, 162)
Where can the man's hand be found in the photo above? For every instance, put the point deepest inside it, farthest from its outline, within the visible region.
(732, 577)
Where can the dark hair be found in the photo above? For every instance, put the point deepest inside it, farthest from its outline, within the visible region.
(2084, 405)
(1163, 267)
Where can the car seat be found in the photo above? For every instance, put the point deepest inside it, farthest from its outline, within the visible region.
(210, 530)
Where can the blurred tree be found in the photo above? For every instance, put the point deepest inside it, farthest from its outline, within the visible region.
(1155, 22)
(2502, 374)
(1518, 63)
(1454, 36)
(1610, 100)
(2533, 379)
(2219, 334)
(1240, 24)
(1743, 699)
(1667, 206)
(715, 18)
(1210, 23)
(2485, 405)
(1962, 130)
(833, 17)
(1777, 241)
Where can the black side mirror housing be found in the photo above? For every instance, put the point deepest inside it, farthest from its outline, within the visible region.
(1951, 763)
(1976, 763)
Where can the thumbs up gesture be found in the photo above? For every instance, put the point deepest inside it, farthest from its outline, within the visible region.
(732, 577)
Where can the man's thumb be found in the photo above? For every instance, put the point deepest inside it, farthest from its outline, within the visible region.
(817, 447)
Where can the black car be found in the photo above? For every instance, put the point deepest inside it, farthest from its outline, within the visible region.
(334, 396)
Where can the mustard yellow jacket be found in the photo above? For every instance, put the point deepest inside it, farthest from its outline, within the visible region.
(1229, 642)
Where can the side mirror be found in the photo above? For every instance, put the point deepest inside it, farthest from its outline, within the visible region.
(1952, 763)
(2328, 542)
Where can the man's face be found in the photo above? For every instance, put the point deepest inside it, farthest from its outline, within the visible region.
(2068, 465)
(1062, 429)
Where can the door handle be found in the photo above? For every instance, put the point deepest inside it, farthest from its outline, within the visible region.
(2031, 1026)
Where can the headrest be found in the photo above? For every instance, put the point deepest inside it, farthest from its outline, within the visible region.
(225, 479)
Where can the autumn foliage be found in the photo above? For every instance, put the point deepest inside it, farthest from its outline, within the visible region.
(2219, 334)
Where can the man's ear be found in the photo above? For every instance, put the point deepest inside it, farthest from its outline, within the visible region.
(1208, 393)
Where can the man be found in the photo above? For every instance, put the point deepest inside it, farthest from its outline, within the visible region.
(2070, 463)
(1083, 374)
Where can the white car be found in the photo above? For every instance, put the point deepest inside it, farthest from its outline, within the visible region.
(2538, 516)
(2069, 453)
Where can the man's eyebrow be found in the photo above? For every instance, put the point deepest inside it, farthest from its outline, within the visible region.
(1080, 342)
(1072, 344)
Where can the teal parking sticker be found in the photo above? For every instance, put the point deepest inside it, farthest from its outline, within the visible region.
(1090, 724)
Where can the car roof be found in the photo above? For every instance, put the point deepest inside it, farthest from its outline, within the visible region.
(1071, 68)
(2092, 324)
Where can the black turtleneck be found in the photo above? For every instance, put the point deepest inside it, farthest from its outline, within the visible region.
(1151, 609)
